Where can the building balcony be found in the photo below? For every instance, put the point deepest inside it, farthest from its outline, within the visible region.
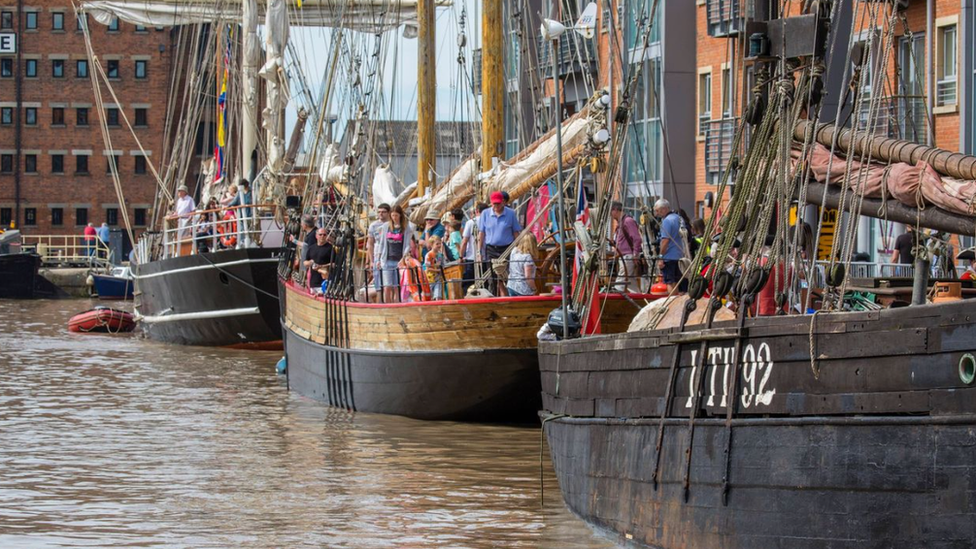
(719, 135)
(576, 55)
(724, 17)
(898, 116)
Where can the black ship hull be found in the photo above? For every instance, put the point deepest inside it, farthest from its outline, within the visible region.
(464, 385)
(227, 298)
(19, 278)
(873, 445)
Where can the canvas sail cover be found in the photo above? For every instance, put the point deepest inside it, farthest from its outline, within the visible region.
(360, 15)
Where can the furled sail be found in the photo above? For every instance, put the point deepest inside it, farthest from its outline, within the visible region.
(361, 15)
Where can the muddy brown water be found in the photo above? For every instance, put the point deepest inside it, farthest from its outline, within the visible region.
(115, 441)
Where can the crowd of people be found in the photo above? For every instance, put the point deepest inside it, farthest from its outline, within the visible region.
(223, 223)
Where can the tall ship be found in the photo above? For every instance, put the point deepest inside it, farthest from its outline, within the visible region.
(461, 355)
(784, 401)
(207, 273)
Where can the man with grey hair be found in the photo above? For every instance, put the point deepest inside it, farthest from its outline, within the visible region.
(672, 243)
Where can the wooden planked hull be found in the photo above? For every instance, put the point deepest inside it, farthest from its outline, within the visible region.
(459, 360)
(874, 445)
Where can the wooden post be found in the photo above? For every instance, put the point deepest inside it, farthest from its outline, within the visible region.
(492, 84)
(426, 96)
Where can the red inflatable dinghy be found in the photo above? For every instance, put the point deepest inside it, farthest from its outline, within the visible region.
(102, 319)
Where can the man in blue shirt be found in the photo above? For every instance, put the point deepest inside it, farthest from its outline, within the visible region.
(498, 227)
(103, 234)
(672, 243)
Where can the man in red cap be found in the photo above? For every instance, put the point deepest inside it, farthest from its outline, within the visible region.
(498, 227)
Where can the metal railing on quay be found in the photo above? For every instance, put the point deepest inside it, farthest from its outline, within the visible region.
(69, 250)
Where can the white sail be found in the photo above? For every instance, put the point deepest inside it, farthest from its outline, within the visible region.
(249, 85)
(360, 15)
(276, 83)
(383, 186)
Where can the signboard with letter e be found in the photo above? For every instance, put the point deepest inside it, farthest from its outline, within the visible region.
(8, 42)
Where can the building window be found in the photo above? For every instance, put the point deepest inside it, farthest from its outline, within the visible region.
(30, 20)
(6, 67)
(945, 92)
(139, 219)
(30, 116)
(112, 116)
(57, 163)
(57, 21)
(728, 92)
(81, 164)
(142, 69)
(112, 216)
(30, 216)
(30, 68)
(140, 28)
(6, 19)
(6, 163)
(113, 25)
(30, 163)
(111, 164)
(6, 116)
(81, 216)
(142, 117)
(82, 116)
(6, 217)
(113, 68)
(57, 68)
(57, 116)
(82, 22)
(704, 101)
(57, 217)
(81, 68)
(140, 165)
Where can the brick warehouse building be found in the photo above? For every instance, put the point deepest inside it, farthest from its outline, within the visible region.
(54, 166)
(927, 89)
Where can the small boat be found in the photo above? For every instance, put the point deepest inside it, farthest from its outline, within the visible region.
(103, 320)
(19, 277)
(116, 284)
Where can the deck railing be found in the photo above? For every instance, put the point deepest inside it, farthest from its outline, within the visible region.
(69, 250)
(220, 228)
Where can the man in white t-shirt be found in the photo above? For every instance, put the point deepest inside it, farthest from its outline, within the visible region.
(469, 244)
(372, 242)
(185, 208)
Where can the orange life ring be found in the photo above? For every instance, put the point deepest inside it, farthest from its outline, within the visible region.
(228, 230)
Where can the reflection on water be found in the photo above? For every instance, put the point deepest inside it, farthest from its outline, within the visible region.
(111, 441)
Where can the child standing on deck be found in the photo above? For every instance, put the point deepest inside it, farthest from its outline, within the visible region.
(454, 240)
(434, 266)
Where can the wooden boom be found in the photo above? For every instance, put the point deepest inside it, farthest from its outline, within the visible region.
(885, 149)
(932, 218)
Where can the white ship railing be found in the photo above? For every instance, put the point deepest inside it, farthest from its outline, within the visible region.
(219, 229)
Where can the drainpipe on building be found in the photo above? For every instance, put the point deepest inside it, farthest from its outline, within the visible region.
(930, 67)
(19, 93)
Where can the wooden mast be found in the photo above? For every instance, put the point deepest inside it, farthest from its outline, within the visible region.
(492, 84)
(426, 96)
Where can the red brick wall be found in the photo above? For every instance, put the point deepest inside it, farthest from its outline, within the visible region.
(42, 189)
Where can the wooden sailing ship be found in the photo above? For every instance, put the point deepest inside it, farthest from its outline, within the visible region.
(459, 359)
(842, 428)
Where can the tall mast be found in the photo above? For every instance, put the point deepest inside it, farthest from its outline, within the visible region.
(492, 82)
(426, 96)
